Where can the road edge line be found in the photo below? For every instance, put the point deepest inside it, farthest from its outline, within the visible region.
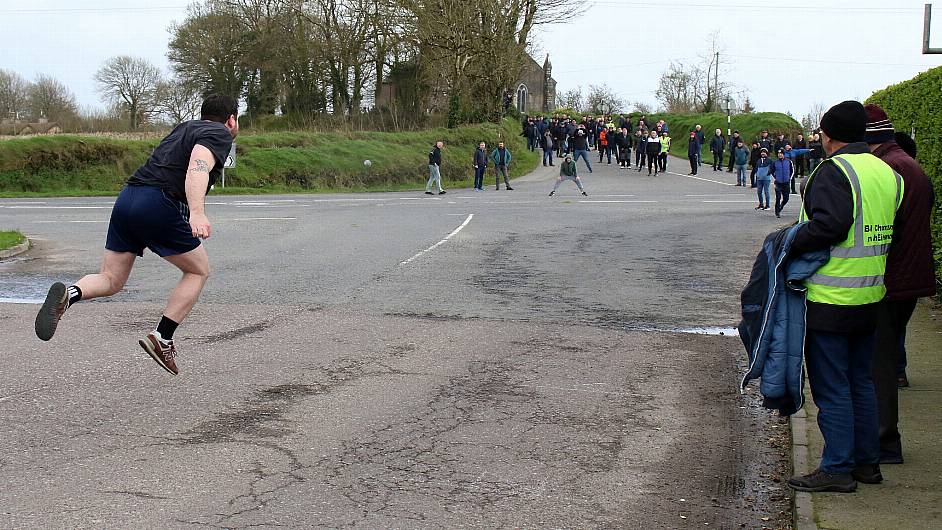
(442, 242)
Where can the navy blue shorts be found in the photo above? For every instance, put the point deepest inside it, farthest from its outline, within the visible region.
(145, 217)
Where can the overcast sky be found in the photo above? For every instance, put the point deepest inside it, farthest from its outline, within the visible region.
(786, 58)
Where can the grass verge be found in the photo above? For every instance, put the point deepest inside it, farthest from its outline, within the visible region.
(10, 239)
(282, 162)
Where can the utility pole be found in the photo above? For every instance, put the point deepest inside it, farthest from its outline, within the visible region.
(926, 50)
(729, 120)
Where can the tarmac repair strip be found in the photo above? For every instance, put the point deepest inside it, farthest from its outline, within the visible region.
(442, 242)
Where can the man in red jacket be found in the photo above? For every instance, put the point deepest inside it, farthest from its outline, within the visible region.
(909, 275)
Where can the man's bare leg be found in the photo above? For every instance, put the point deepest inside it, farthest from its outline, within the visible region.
(115, 269)
(195, 267)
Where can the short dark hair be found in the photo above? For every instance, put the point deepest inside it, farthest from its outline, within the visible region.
(218, 107)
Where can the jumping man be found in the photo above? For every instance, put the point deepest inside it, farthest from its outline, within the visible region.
(161, 208)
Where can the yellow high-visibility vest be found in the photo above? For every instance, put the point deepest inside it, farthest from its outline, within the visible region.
(854, 274)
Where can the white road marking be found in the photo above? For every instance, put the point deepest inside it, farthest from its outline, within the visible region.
(749, 201)
(712, 195)
(442, 242)
(262, 219)
(619, 202)
(699, 178)
(56, 207)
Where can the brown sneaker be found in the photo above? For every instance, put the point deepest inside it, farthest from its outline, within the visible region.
(57, 301)
(160, 351)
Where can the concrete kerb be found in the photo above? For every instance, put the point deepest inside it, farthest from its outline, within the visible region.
(803, 506)
(15, 251)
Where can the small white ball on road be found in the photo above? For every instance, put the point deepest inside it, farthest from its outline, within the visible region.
(367, 163)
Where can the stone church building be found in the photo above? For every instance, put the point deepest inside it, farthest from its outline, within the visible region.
(535, 93)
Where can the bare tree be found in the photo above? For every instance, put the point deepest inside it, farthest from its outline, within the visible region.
(14, 95)
(48, 98)
(602, 100)
(177, 100)
(812, 120)
(571, 99)
(131, 82)
(680, 88)
(642, 107)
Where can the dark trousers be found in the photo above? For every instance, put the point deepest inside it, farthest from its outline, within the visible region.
(781, 196)
(717, 161)
(639, 157)
(732, 158)
(498, 171)
(652, 163)
(547, 157)
(662, 161)
(752, 177)
(603, 152)
(479, 177)
(693, 164)
(839, 374)
(891, 330)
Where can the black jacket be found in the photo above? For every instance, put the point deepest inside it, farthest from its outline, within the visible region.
(830, 205)
(765, 143)
(580, 142)
(480, 157)
(717, 144)
(817, 149)
(435, 156)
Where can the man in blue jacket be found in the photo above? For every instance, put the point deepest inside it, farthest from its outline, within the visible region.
(501, 158)
(783, 171)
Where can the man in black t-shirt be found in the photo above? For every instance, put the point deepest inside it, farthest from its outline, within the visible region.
(162, 209)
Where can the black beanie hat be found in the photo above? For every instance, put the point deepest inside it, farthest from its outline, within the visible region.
(845, 122)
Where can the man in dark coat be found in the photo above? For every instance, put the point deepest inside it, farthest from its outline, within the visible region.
(909, 275)
(732, 150)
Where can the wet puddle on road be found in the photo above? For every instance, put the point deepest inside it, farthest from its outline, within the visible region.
(24, 289)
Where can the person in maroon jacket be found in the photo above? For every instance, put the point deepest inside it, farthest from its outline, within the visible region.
(909, 275)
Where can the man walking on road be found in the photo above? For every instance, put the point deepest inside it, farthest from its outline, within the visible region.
(909, 275)
(480, 166)
(501, 158)
(435, 169)
(693, 148)
(161, 208)
(850, 206)
(568, 171)
(733, 142)
(783, 172)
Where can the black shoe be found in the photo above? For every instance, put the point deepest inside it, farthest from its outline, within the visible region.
(585, 194)
(868, 474)
(778, 215)
(551, 164)
(902, 381)
(429, 193)
(552, 193)
(509, 188)
(57, 301)
(820, 481)
(442, 192)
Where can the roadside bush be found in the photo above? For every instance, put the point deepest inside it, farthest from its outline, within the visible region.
(915, 105)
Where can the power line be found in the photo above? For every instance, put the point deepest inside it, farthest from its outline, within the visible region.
(72, 10)
(790, 7)
(823, 61)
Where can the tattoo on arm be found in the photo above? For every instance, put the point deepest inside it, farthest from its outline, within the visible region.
(200, 166)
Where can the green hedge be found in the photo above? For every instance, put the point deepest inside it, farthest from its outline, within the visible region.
(267, 163)
(917, 104)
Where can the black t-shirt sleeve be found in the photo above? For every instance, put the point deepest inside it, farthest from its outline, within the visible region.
(830, 205)
(219, 142)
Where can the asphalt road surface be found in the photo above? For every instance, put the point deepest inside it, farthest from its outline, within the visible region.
(497, 359)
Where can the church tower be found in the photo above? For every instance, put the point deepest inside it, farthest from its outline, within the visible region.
(549, 87)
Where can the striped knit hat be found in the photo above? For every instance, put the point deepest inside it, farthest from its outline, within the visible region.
(879, 128)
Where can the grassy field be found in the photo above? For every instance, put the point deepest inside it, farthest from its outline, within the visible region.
(283, 162)
(10, 239)
(748, 125)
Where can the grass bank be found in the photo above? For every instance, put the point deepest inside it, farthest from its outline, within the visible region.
(281, 162)
(749, 127)
(10, 239)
